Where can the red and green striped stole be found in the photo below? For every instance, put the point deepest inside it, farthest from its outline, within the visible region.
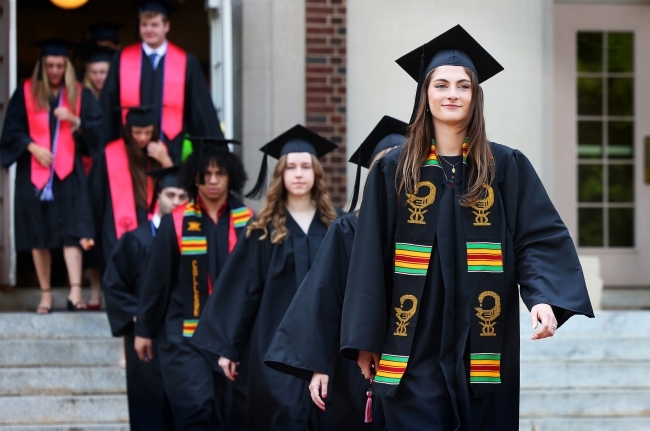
(485, 368)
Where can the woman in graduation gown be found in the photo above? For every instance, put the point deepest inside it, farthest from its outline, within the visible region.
(50, 122)
(119, 193)
(260, 279)
(306, 344)
(448, 227)
(188, 253)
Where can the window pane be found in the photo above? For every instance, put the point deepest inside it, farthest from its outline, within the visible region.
(590, 139)
(621, 183)
(590, 231)
(620, 135)
(590, 52)
(590, 96)
(621, 227)
(590, 183)
(620, 96)
(620, 52)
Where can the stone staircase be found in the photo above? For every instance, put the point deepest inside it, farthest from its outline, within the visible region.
(594, 375)
(60, 372)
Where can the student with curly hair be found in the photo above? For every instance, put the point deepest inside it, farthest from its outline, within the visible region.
(188, 253)
(260, 280)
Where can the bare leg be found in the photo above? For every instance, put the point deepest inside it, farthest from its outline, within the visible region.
(43, 263)
(73, 261)
(95, 277)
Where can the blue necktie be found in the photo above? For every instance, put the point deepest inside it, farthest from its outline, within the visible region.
(152, 58)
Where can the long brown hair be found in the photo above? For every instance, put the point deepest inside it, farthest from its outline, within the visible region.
(139, 164)
(274, 210)
(41, 87)
(416, 147)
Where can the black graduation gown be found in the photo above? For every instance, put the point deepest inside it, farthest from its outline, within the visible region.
(251, 296)
(148, 404)
(40, 224)
(435, 393)
(193, 380)
(93, 216)
(307, 339)
(199, 116)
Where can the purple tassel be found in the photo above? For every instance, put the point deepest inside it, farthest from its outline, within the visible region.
(368, 415)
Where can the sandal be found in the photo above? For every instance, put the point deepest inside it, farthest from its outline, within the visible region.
(76, 306)
(41, 309)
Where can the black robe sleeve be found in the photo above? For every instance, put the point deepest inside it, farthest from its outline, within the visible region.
(548, 269)
(227, 320)
(308, 337)
(158, 278)
(15, 132)
(200, 115)
(109, 99)
(91, 116)
(369, 287)
(119, 283)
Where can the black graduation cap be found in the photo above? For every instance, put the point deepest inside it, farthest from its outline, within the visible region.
(455, 47)
(298, 139)
(164, 7)
(207, 143)
(104, 31)
(139, 116)
(167, 177)
(96, 54)
(54, 46)
(388, 133)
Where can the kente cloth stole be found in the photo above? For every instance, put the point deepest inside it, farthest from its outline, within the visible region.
(120, 184)
(174, 65)
(417, 218)
(63, 145)
(193, 245)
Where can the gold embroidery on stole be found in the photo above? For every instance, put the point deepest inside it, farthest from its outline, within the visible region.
(488, 316)
(404, 316)
(420, 203)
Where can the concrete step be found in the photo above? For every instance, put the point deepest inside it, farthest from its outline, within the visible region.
(52, 353)
(587, 349)
(26, 299)
(55, 325)
(68, 427)
(626, 297)
(584, 424)
(62, 381)
(585, 403)
(573, 375)
(606, 323)
(50, 410)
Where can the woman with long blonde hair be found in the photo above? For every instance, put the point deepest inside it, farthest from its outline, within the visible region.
(261, 277)
(448, 228)
(50, 122)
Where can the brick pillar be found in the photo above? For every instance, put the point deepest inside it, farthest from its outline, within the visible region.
(325, 86)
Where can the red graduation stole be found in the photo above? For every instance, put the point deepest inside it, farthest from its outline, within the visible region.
(120, 184)
(193, 246)
(38, 121)
(173, 97)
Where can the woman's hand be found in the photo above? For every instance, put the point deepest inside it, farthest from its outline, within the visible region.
(158, 152)
(318, 389)
(368, 362)
(64, 114)
(144, 348)
(42, 156)
(543, 313)
(228, 368)
(86, 243)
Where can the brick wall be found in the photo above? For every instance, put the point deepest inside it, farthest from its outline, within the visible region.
(325, 86)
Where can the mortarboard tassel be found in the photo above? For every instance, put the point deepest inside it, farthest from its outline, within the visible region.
(260, 186)
(420, 83)
(368, 415)
(357, 181)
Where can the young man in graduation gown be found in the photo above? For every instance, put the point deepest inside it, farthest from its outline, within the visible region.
(50, 122)
(148, 404)
(119, 193)
(158, 73)
(190, 248)
(449, 227)
(307, 339)
(258, 283)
